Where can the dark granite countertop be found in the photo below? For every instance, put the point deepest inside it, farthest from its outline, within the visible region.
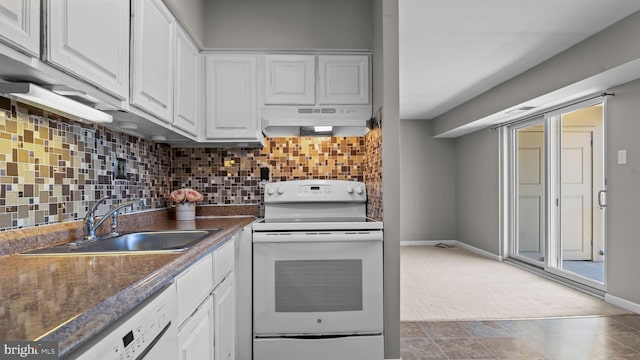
(69, 299)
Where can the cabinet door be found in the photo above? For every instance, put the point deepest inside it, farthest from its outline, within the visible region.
(289, 80)
(101, 58)
(20, 24)
(192, 286)
(242, 275)
(343, 80)
(224, 261)
(224, 325)
(153, 51)
(188, 84)
(231, 93)
(195, 340)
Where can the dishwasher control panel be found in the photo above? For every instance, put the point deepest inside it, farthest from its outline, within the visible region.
(142, 330)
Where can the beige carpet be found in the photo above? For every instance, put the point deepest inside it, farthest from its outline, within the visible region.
(455, 284)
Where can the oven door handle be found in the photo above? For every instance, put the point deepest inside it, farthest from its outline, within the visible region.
(304, 237)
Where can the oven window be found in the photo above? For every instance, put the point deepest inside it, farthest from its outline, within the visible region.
(318, 285)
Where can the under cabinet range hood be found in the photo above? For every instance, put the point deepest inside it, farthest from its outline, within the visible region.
(284, 121)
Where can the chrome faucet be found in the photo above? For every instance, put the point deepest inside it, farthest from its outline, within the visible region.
(89, 220)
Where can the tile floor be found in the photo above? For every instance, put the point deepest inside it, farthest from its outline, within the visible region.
(586, 338)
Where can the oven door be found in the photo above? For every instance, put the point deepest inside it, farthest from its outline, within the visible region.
(317, 283)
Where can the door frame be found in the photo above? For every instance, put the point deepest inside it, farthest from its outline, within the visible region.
(552, 225)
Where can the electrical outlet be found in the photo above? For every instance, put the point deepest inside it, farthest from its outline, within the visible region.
(264, 174)
(120, 168)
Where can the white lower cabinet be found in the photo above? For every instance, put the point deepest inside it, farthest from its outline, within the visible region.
(206, 307)
(224, 326)
(196, 335)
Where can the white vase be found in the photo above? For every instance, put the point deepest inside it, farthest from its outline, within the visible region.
(185, 211)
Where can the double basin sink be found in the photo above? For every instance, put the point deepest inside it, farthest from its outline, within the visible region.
(131, 243)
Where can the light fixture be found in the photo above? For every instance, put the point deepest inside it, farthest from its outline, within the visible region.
(321, 129)
(125, 125)
(159, 138)
(35, 95)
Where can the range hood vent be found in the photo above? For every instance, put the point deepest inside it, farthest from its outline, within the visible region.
(285, 121)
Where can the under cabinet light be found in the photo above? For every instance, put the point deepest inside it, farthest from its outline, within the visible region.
(35, 95)
(323, 128)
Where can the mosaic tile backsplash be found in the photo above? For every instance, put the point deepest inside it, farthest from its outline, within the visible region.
(52, 169)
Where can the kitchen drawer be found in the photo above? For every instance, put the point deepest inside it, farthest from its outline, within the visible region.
(223, 261)
(193, 286)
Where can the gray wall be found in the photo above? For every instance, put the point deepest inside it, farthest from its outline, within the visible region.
(190, 13)
(623, 242)
(477, 190)
(612, 47)
(477, 211)
(386, 97)
(288, 24)
(427, 191)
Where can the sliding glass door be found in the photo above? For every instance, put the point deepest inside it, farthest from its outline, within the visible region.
(557, 219)
(529, 191)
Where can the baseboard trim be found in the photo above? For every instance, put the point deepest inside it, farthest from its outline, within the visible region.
(479, 251)
(625, 304)
(427, 243)
(453, 242)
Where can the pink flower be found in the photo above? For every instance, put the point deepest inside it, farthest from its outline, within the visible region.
(185, 195)
(193, 196)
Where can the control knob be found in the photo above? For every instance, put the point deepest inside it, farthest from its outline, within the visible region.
(280, 190)
(349, 189)
(359, 190)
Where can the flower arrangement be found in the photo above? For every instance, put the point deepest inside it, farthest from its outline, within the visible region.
(182, 196)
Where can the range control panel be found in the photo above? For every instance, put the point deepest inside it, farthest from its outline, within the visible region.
(302, 191)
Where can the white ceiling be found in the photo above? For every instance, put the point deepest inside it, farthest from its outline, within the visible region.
(454, 50)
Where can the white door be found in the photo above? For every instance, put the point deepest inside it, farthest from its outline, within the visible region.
(311, 286)
(530, 206)
(289, 80)
(188, 80)
(225, 322)
(153, 53)
(576, 189)
(195, 339)
(343, 80)
(102, 57)
(231, 97)
(20, 24)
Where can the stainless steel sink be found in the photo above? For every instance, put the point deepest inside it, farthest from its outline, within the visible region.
(128, 243)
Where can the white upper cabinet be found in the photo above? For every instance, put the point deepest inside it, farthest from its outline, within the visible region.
(188, 84)
(153, 53)
(290, 80)
(343, 80)
(90, 39)
(20, 25)
(231, 98)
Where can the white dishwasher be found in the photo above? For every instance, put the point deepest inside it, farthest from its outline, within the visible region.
(147, 332)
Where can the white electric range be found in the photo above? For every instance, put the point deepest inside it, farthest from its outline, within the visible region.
(317, 273)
